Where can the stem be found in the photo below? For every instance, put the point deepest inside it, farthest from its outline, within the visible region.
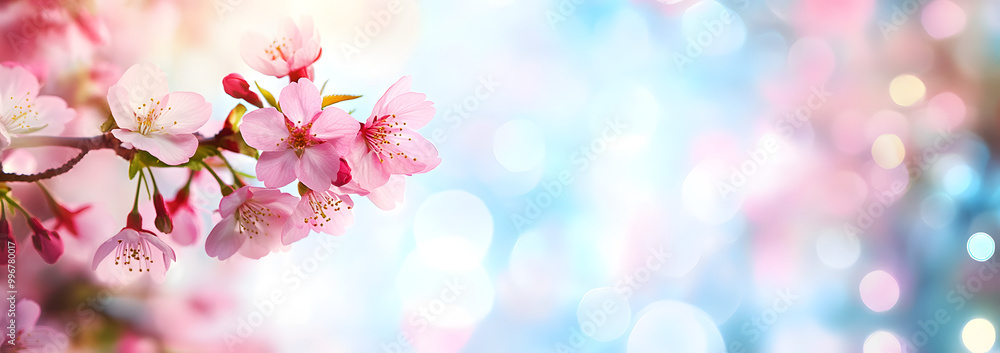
(84, 144)
(45, 191)
(142, 178)
(138, 190)
(16, 205)
(49, 173)
(152, 178)
(236, 176)
(225, 187)
(187, 185)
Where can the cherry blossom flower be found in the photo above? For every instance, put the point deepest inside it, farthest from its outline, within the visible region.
(323, 211)
(290, 53)
(302, 141)
(136, 251)
(30, 338)
(253, 220)
(388, 143)
(23, 111)
(154, 120)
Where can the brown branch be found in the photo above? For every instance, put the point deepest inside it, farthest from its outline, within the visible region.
(84, 144)
(49, 173)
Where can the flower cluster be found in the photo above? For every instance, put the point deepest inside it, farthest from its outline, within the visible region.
(300, 138)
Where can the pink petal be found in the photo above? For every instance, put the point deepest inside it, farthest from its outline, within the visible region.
(44, 339)
(318, 166)
(142, 82)
(4, 138)
(300, 222)
(300, 101)
(53, 112)
(295, 230)
(260, 246)
(419, 155)
(170, 149)
(252, 50)
(265, 130)
(107, 246)
(305, 40)
(387, 196)
(398, 88)
(224, 241)
(277, 168)
(229, 203)
(279, 202)
(306, 55)
(412, 108)
(27, 313)
(270, 228)
(16, 81)
(185, 113)
(337, 127)
(366, 169)
(121, 109)
(187, 227)
(168, 252)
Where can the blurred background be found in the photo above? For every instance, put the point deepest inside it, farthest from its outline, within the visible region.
(617, 176)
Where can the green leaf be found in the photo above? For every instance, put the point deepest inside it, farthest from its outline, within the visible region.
(335, 98)
(199, 155)
(245, 148)
(268, 97)
(134, 166)
(109, 124)
(147, 160)
(236, 115)
(321, 89)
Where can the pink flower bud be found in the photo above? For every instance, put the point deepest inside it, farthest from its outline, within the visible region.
(238, 88)
(162, 221)
(7, 233)
(134, 221)
(344, 174)
(48, 243)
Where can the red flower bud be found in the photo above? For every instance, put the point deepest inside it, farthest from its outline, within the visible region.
(343, 175)
(48, 243)
(162, 221)
(238, 88)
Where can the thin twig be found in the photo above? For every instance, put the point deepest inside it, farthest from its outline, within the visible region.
(84, 144)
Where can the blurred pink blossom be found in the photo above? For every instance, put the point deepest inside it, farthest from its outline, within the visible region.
(23, 110)
(290, 53)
